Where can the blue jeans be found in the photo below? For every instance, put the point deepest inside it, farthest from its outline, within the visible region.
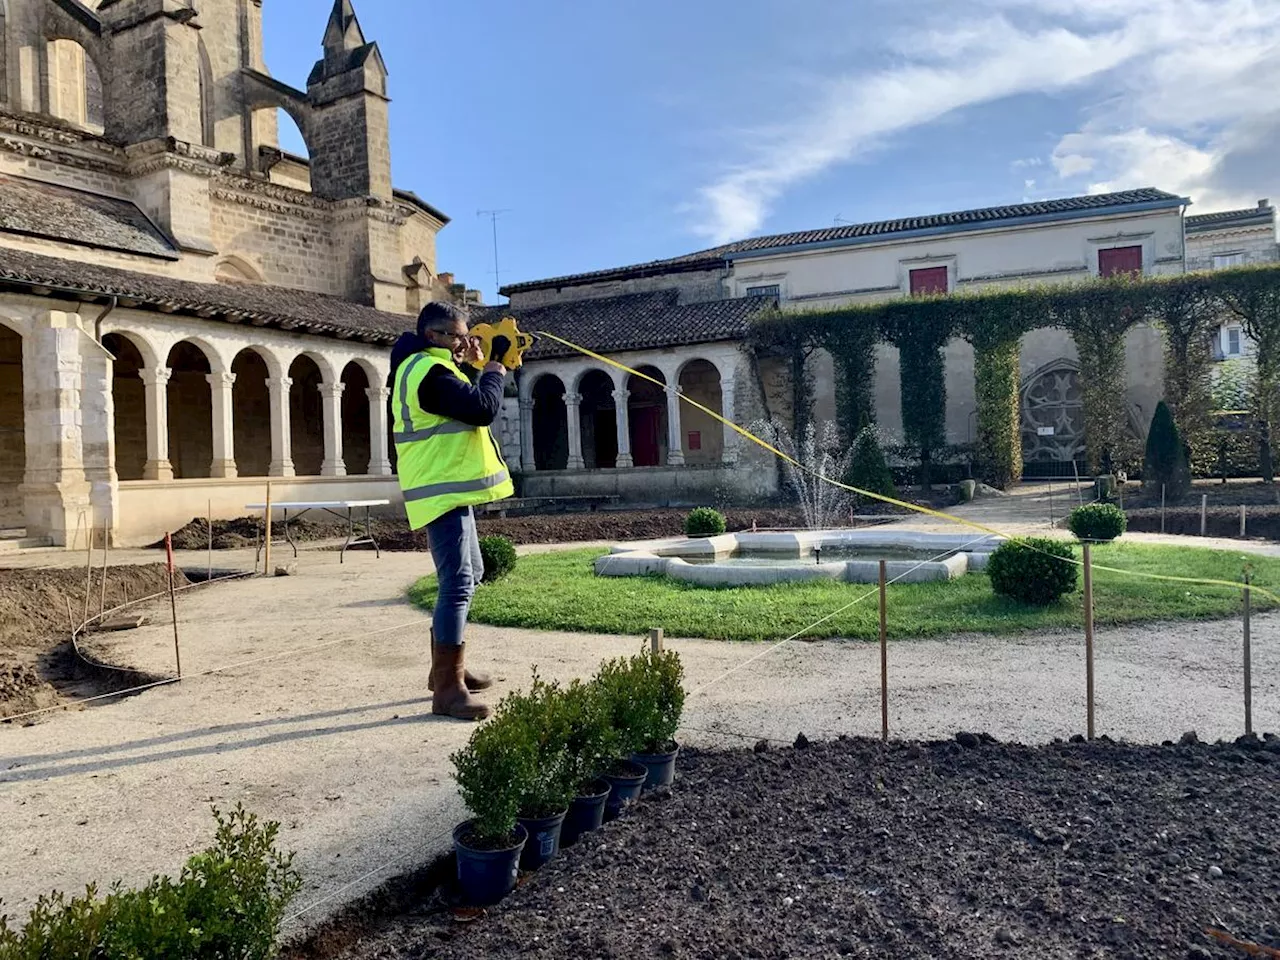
(455, 548)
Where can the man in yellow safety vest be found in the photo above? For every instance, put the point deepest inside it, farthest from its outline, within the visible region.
(448, 462)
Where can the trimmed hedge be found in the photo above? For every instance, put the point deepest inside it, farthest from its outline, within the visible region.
(1099, 522)
(704, 522)
(499, 555)
(1037, 571)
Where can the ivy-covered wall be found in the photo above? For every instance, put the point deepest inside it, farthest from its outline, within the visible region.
(1098, 315)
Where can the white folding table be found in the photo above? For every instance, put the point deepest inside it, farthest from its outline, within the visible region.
(333, 507)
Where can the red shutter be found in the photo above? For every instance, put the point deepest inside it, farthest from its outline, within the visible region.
(931, 280)
(1119, 260)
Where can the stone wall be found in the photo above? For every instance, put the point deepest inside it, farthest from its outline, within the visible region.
(289, 245)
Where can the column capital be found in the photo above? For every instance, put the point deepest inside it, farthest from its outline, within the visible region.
(378, 394)
(526, 403)
(621, 396)
(279, 383)
(155, 376)
(673, 390)
(572, 399)
(332, 391)
(225, 380)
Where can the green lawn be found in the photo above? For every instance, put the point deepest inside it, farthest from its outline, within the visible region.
(559, 591)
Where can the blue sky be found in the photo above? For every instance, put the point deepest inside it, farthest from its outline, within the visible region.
(621, 131)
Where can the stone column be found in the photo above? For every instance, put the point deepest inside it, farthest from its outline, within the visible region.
(730, 452)
(224, 445)
(333, 465)
(156, 383)
(573, 418)
(528, 463)
(623, 420)
(675, 434)
(281, 435)
(54, 491)
(379, 457)
(99, 425)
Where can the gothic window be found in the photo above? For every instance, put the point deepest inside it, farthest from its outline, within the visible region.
(94, 111)
(1053, 416)
(4, 63)
(207, 118)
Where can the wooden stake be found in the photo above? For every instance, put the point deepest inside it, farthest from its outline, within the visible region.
(1076, 470)
(1088, 637)
(209, 572)
(266, 567)
(1162, 508)
(1050, 504)
(884, 655)
(1242, 521)
(1204, 513)
(106, 554)
(71, 617)
(88, 574)
(173, 602)
(655, 640)
(1248, 661)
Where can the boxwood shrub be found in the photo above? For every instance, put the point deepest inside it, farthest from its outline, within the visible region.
(704, 522)
(1037, 570)
(1097, 522)
(499, 555)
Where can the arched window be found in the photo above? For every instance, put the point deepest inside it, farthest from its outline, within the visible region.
(73, 91)
(235, 270)
(13, 456)
(208, 119)
(4, 57)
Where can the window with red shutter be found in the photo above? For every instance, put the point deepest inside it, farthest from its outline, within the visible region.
(1119, 260)
(929, 280)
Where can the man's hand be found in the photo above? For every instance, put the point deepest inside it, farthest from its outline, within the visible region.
(472, 350)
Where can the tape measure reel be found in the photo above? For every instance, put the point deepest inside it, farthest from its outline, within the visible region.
(506, 327)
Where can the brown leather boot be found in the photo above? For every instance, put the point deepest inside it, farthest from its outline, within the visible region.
(451, 698)
(472, 681)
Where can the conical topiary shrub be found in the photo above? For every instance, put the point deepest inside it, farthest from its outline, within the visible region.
(867, 467)
(1166, 463)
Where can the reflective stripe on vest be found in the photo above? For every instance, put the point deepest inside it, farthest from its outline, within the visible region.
(442, 463)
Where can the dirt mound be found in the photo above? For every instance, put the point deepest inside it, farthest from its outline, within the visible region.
(851, 849)
(35, 624)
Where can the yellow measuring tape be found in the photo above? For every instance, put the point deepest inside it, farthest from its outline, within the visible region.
(915, 508)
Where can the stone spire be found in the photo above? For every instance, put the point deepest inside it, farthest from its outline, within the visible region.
(343, 34)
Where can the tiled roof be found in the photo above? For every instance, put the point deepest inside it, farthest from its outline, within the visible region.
(37, 209)
(637, 321)
(230, 302)
(715, 256)
(1250, 217)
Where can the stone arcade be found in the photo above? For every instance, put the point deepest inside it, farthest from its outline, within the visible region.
(185, 309)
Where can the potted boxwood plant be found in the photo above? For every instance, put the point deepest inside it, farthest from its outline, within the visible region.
(492, 771)
(543, 722)
(644, 697)
(591, 750)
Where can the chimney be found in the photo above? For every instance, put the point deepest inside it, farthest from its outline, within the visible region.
(446, 279)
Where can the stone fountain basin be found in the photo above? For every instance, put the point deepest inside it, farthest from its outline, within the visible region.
(746, 559)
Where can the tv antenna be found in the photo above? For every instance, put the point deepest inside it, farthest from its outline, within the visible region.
(493, 216)
(842, 221)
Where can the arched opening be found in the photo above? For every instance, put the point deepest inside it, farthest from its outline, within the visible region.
(647, 410)
(306, 417)
(208, 119)
(356, 438)
(190, 412)
(73, 86)
(235, 270)
(702, 436)
(251, 414)
(13, 442)
(1052, 418)
(129, 398)
(4, 57)
(550, 424)
(292, 167)
(599, 420)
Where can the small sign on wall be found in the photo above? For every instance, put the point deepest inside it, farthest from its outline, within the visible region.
(1044, 431)
(695, 439)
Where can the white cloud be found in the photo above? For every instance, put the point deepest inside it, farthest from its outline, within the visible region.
(1183, 81)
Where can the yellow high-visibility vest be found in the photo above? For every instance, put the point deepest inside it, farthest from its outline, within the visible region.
(442, 463)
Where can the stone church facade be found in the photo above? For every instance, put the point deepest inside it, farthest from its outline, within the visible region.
(185, 309)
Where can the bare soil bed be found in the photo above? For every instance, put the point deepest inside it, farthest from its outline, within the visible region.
(957, 849)
(1261, 521)
(394, 534)
(37, 664)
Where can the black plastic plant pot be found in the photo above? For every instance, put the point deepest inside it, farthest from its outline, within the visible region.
(586, 813)
(544, 840)
(661, 766)
(626, 781)
(486, 876)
